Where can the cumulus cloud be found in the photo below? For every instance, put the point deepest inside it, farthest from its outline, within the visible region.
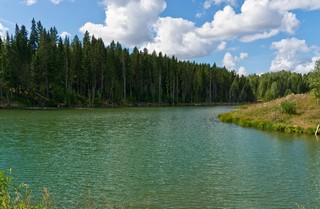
(255, 21)
(222, 46)
(176, 36)
(306, 67)
(208, 3)
(264, 35)
(242, 71)
(291, 55)
(229, 61)
(138, 23)
(30, 2)
(3, 30)
(128, 21)
(64, 34)
(295, 4)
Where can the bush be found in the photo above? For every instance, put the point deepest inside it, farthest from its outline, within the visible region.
(288, 108)
(279, 127)
(18, 196)
(226, 117)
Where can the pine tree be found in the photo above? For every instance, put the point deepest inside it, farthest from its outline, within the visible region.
(315, 80)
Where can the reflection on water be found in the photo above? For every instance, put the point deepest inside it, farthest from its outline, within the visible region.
(158, 158)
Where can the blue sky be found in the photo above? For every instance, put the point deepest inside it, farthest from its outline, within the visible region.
(248, 36)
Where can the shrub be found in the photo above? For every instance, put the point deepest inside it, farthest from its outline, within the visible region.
(288, 108)
(263, 125)
(18, 196)
(279, 127)
(310, 130)
(226, 117)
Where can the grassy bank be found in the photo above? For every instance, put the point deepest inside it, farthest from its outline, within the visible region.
(302, 117)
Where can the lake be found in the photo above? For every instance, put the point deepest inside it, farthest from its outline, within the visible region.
(173, 157)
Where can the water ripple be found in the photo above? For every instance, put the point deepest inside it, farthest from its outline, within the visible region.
(157, 158)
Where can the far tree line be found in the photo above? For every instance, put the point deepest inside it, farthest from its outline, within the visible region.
(38, 67)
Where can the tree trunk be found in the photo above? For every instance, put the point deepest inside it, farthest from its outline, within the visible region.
(210, 88)
(124, 78)
(173, 87)
(47, 80)
(159, 99)
(101, 82)
(93, 96)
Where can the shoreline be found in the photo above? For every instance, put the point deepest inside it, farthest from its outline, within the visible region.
(265, 125)
(18, 106)
(268, 116)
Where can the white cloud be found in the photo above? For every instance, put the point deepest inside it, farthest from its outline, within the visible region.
(292, 54)
(264, 35)
(30, 2)
(63, 35)
(242, 71)
(208, 3)
(256, 20)
(56, 1)
(200, 14)
(222, 46)
(138, 23)
(289, 23)
(128, 21)
(306, 67)
(176, 36)
(3, 31)
(243, 55)
(229, 61)
(295, 4)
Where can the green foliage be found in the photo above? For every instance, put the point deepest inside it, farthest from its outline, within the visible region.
(314, 80)
(227, 118)
(241, 106)
(310, 130)
(89, 73)
(12, 197)
(270, 86)
(288, 107)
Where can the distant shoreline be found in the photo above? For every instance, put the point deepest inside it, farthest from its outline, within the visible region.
(15, 105)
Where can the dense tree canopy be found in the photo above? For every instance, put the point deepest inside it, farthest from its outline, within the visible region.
(40, 68)
(314, 80)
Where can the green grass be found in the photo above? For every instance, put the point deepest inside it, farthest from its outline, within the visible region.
(288, 107)
(291, 114)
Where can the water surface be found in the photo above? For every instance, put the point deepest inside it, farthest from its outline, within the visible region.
(157, 158)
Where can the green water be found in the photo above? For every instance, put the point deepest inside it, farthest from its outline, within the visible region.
(157, 158)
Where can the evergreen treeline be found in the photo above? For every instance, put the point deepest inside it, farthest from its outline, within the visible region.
(40, 68)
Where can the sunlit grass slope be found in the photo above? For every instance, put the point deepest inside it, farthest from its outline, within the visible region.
(270, 115)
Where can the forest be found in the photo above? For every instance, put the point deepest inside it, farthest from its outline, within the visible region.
(39, 68)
